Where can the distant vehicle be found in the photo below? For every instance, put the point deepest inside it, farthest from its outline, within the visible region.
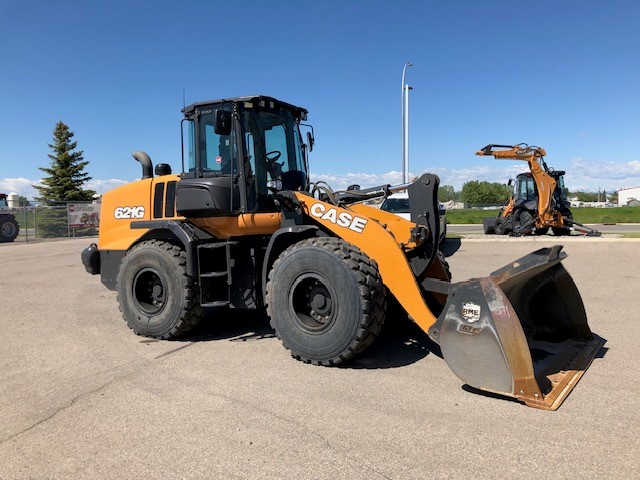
(539, 201)
(398, 203)
(8, 226)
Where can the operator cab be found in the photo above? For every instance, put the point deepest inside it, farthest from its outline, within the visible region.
(560, 194)
(526, 189)
(238, 152)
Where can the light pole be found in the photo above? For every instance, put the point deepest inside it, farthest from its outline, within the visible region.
(405, 124)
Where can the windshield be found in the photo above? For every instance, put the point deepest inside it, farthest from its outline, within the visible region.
(218, 154)
(396, 205)
(526, 188)
(561, 188)
(3, 202)
(273, 147)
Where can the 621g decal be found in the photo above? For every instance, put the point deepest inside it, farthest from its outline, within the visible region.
(121, 213)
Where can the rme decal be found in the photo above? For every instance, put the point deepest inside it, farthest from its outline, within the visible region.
(128, 212)
(342, 219)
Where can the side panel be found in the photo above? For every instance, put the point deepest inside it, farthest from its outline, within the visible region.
(240, 225)
(147, 199)
(380, 245)
(120, 207)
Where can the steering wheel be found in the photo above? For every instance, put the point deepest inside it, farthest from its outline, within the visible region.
(276, 155)
(275, 169)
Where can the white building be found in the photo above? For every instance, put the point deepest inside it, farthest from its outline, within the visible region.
(627, 194)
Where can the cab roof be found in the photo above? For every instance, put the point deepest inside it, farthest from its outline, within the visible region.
(553, 173)
(298, 111)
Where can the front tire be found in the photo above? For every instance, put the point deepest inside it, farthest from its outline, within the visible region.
(155, 295)
(502, 226)
(326, 300)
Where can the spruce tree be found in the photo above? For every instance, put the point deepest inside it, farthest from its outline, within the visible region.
(66, 174)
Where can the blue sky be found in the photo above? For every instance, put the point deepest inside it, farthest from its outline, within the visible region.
(562, 75)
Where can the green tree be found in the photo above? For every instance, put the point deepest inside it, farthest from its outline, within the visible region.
(477, 192)
(23, 202)
(586, 196)
(446, 193)
(66, 175)
(64, 182)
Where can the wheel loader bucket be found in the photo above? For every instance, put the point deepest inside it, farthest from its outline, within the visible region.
(521, 332)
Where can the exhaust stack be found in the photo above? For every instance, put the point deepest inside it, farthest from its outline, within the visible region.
(145, 161)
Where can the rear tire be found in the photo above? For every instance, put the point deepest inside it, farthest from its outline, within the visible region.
(8, 228)
(155, 295)
(326, 300)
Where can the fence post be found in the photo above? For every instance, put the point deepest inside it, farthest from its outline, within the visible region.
(26, 225)
(66, 214)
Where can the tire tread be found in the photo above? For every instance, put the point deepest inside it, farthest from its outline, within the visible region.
(191, 312)
(370, 287)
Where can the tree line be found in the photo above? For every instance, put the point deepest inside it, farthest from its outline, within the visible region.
(478, 192)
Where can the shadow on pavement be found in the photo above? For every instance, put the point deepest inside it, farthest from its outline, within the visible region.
(451, 246)
(482, 393)
(232, 325)
(400, 343)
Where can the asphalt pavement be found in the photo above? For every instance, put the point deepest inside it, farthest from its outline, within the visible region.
(81, 396)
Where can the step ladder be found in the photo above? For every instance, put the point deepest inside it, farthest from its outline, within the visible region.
(215, 261)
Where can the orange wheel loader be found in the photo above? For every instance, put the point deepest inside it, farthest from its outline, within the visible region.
(242, 227)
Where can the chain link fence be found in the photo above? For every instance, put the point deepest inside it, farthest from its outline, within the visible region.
(38, 221)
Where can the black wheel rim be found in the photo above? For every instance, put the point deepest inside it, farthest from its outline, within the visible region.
(149, 291)
(312, 301)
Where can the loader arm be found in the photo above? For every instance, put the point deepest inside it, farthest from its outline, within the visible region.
(382, 236)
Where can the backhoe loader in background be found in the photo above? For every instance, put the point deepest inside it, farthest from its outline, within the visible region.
(539, 201)
(242, 227)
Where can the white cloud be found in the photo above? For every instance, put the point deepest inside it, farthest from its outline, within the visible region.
(21, 186)
(448, 176)
(101, 186)
(24, 186)
(587, 175)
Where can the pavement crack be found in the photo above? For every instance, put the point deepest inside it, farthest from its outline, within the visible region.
(291, 421)
(70, 404)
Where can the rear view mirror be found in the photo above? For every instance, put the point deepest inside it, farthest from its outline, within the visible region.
(310, 141)
(223, 122)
